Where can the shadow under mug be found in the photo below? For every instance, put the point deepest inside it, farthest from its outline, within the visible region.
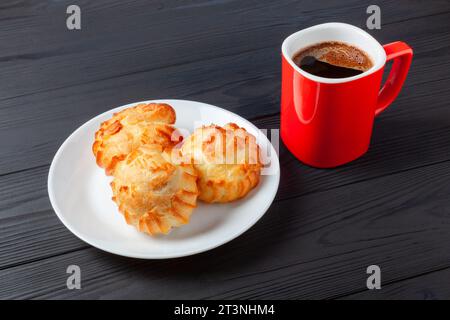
(328, 122)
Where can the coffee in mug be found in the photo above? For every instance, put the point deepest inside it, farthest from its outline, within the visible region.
(333, 59)
(326, 122)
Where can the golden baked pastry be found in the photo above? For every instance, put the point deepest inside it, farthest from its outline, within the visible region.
(152, 193)
(226, 159)
(130, 128)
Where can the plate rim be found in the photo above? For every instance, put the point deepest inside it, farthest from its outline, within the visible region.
(82, 237)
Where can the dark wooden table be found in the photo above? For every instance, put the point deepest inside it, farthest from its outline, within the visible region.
(390, 208)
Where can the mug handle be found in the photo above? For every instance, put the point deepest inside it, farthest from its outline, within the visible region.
(402, 54)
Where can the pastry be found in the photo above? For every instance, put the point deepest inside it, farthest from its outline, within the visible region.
(226, 159)
(152, 193)
(130, 128)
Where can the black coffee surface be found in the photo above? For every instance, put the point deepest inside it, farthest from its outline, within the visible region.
(326, 70)
(333, 59)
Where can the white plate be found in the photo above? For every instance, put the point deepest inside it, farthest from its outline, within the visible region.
(81, 197)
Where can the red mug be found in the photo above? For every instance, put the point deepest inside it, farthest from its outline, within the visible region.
(328, 122)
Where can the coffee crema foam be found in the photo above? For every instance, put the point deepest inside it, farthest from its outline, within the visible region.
(338, 54)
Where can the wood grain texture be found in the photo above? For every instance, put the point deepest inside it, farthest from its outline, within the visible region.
(315, 246)
(411, 146)
(429, 286)
(125, 37)
(245, 81)
(390, 207)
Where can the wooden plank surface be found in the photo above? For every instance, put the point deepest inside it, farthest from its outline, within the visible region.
(26, 201)
(429, 286)
(246, 83)
(391, 207)
(319, 246)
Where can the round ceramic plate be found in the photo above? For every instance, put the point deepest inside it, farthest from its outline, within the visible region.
(81, 196)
